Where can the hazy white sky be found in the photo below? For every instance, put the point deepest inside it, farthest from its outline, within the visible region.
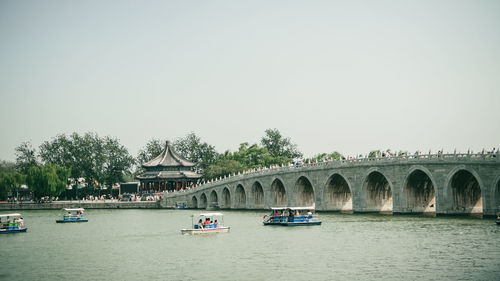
(350, 76)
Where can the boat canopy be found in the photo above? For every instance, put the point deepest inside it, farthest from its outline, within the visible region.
(73, 209)
(10, 215)
(210, 214)
(292, 208)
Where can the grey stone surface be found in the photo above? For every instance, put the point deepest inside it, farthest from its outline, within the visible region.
(436, 184)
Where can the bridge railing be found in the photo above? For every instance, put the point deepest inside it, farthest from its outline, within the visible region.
(469, 157)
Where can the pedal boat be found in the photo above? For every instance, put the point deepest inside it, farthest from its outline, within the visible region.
(208, 223)
(292, 216)
(72, 215)
(13, 224)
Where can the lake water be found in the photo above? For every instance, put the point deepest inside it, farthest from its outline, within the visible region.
(147, 245)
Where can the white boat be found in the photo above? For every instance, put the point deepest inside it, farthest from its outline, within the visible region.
(207, 223)
(72, 215)
(292, 216)
(12, 223)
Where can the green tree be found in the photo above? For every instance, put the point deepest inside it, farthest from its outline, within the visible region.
(25, 157)
(152, 149)
(247, 157)
(279, 146)
(87, 157)
(7, 167)
(60, 151)
(47, 180)
(193, 149)
(325, 156)
(10, 182)
(117, 161)
(101, 161)
(223, 167)
(253, 156)
(375, 154)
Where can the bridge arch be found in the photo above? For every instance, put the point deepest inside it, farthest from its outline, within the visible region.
(337, 193)
(258, 195)
(305, 192)
(203, 201)
(226, 198)
(420, 191)
(278, 194)
(214, 199)
(376, 192)
(464, 186)
(241, 197)
(194, 202)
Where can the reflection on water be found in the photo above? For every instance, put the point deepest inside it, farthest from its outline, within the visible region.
(147, 245)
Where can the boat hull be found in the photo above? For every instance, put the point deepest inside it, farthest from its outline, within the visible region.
(6, 231)
(293, 223)
(204, 231)
(71, 221)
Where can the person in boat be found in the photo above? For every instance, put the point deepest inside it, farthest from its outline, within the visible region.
(200, 224)
(215, 224)
(207, 222)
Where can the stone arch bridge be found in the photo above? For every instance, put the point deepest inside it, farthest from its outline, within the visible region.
(463, 184)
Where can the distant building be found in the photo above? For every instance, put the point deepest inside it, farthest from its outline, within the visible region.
(168, 172)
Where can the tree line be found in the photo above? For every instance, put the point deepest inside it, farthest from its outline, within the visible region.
(103, 161)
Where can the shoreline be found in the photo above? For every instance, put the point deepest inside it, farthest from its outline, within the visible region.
(81, 204)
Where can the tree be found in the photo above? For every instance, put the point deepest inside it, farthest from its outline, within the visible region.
(117, 161)
(47, 180)
(247, 157)
(99, 160)
(7, 167)
(193, 149)
(325, 156)
(10, 182)
(374, 154)
(25, 157)
(253, 156)
(223, 167)
(152, 149)
(60, 151)
(279, 146)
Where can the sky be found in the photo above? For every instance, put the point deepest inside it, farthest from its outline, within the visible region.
(347, 76)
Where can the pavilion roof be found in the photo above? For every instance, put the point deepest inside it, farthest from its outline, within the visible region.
(168, 158)
(169, 175)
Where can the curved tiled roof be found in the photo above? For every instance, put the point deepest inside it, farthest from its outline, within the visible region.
(168, 158)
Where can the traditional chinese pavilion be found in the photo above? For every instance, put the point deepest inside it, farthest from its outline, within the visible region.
(167, 172)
